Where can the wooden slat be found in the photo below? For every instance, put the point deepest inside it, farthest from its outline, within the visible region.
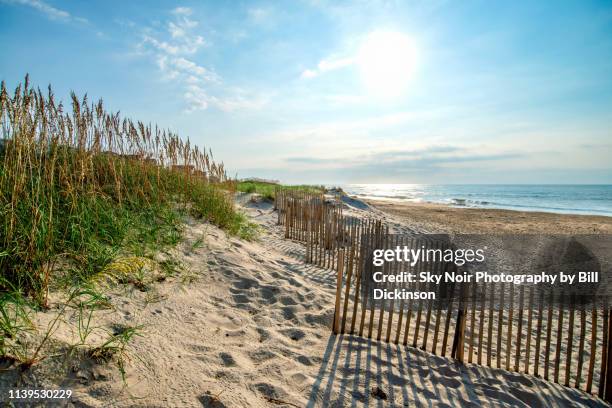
(436, 329)
(434, 344)
(372, 302)
(581, 346)
(510, 326)
(349, 276)
(394, 270)
(500, 324)
(472, 323)
(400, 316)
(458, 341)
(536, 356)
(592, 349)
(481, 324)
(449, 313)
(559, 340)
(386, 267)
(364, 304)
(417, 323)
(519, 332)
(490, 328)
(338, 295)
(419, 310)
(568, 348)
(359, 266)
(434, 269)
(603, 376)
(409, 316)
(529, 327)
(549, 323)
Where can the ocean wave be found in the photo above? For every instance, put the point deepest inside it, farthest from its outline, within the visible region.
(595, 200)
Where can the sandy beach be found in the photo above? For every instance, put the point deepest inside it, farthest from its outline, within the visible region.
(249, 326)
(438, 218)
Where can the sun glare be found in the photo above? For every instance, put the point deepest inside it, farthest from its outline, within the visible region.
(387, 62)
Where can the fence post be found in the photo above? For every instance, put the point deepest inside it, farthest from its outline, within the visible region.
(459, 340)
(608, 373)
(287, 220)
(336, 327)
(459, 336)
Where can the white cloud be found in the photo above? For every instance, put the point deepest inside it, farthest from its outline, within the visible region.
(174, 52)
(196, 98)
(195, 71)
(182, 39)
(182, 11)
(199, 99)
(51, 12)
(326, 65)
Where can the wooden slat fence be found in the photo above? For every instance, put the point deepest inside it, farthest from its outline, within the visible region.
(520, 330)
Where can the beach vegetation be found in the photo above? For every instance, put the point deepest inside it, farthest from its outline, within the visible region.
(268, 189)
(90, 200)
(81, 187)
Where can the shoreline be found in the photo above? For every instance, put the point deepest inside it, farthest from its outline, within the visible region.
(476, 207)
(434, 217)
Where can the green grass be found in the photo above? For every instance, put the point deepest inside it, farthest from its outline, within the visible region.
(80, 187)
(267, 190)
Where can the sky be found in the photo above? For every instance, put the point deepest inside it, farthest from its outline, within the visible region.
(338, 92)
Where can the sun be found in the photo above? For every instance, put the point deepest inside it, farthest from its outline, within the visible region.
(387, 63)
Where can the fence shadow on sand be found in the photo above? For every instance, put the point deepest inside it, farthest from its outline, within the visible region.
(361, 372)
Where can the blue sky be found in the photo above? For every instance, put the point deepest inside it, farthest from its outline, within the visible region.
(497, 92)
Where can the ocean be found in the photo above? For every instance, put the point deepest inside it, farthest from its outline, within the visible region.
(558, 198)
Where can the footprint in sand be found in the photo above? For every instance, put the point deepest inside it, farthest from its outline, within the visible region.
(268, 294)
(310, 296)
(240, 298)
(322, 319)
(305, 360)
(294, 334)
(263, 334)
(245, 283)
(299, 378)
(211, 401)
(227, 359)
(288, 301)
(270, 391)
(288, 312)
(261, 355)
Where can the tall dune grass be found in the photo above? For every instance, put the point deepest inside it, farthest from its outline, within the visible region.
(75, 184)
(268, 190)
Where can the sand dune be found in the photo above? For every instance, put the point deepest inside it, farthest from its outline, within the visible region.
(253, 330)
